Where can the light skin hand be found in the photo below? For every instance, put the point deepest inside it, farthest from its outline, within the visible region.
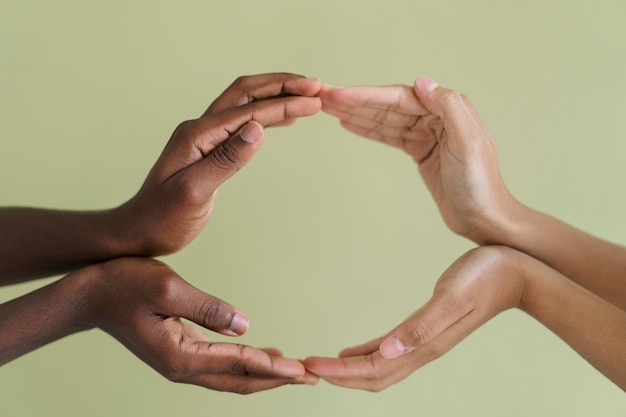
(145, 305)
(441, 130)
(474, 289)
(477, 287)
(443, 134)
(176, 199)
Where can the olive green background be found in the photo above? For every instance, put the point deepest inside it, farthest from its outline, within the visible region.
(325, 239)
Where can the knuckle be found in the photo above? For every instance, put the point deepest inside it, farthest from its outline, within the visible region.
(190, 193)
(226, 156)
(419, 333)
(451, 98)
(240, 82)
(166, 286)
(185, 129)
(213, 314)
(381, 116)
(174, 370)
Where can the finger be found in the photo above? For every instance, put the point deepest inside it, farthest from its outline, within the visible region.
(371, 117)
(286, 122)
(436, 316)
(412, 129)
(204, 309)
(394, 98)
(241, 359)
(374, 373)
(272, 351)
(210, 132)
(271, 111)
(194, 140)
(369, 367)
(227, 158)
(373, 385)
(244, 384)
(251, 88)
(418, 148)
(364, 349)
(455, 109)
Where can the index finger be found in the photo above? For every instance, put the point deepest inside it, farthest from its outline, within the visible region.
(369, 372)
(393, 98)
(215, 130)
(241, 360)
(247, 89)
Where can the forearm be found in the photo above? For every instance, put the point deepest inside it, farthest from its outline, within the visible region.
(595, 328)
(595, 264)
(40, 317)
(38, 242)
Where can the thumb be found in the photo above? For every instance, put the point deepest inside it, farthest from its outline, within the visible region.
(444, 103)
(422, 327)
(208, 311)
(231, 155)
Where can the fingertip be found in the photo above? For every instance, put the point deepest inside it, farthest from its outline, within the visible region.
(425, 85)
(392, 348)
(310, 364)
(302, 86)
(239, 324)
(310, 378)
(251, 132)
(425, 90)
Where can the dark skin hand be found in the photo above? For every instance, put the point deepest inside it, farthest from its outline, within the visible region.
(176, 199)
(142, 303)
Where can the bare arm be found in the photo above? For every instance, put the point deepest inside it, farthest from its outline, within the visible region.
(141, 302)
(477, 287)
(456, 156)
(176, 199)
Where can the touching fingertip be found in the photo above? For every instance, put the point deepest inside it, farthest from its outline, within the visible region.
(426, 84)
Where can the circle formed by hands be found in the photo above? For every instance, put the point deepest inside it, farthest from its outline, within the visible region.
(525, 260)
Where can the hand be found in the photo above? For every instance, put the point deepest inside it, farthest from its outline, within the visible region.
(442, 132)
(141, 302)
(478, 286)
(176, 200)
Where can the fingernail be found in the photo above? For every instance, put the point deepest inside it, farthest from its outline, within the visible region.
(251, 132)
(239, 324)
(312, 78)
(427, 84)
(392, 348)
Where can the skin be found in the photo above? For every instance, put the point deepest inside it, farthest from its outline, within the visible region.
(175, 201)
(477, 287)
(138, 300)
(456, 157)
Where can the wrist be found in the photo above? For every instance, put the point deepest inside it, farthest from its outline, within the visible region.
(125, 232)
(81, 287)
(504, 229)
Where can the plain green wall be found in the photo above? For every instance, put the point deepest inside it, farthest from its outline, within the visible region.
(326, 240)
